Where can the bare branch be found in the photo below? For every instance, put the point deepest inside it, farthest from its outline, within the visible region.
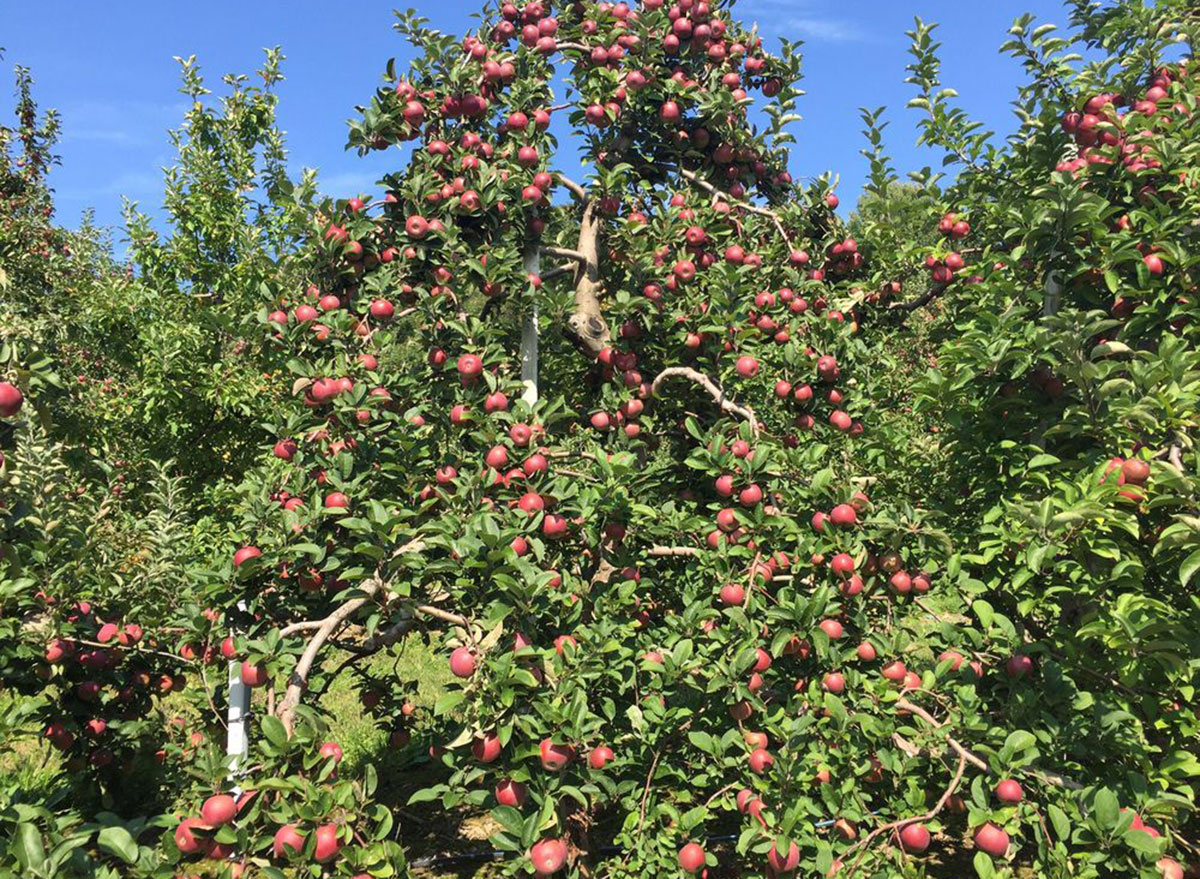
(557, 272)
(669, 551)
(564, 253)
(575, 189)
(443, 615)
(745, 205)
(904, 822)
(723, 402)
(325, 629)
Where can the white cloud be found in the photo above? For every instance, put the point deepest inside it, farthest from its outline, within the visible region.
(121, 122)
(812, 20)
(825, 30)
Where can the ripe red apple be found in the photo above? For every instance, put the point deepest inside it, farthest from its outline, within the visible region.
(781, 864)
(187, 840)
(11, 400)
(511, 793)
(555, 757)
(761, 760)
(866, 651)
(548, 856)
(842, 564)
(253, 675)
(691, 857)
(750, 496)
(1135, 471)
(1154, 264)
(600, 756)
(732, 594)
(914, 837)
(218, 810)
(992, 840)
(834, 683)
(747, 366)
(330, 749)
(1018, 666)
(335, 500)
(1009, 791)
(328, 844)
(1169, 868)
(245, 554)
(833, 629)
(486, 748)
(843, 515)
(894, 671)
(462, 662)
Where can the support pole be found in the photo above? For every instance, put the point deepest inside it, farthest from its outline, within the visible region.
(529, 333)
(237, 743)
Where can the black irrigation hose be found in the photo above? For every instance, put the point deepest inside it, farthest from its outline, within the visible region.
(434, 862)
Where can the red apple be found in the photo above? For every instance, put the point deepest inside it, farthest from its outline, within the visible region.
(462, 662)
(914, 837)
(548, 856)
(1009, 791)
(218, 810)
(992, 840)
(691, 857)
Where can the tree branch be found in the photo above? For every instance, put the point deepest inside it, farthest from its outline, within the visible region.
(669, 551)
(557, 272)
(723, 402)
(745, 205)
(921, 301)
(564, 253)
(904, 822)
(298, 680)
(1052, 778)
(575, 189)
(586, 326)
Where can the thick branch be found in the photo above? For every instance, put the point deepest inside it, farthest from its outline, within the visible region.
(299, 677)
(669, 551)
(586, 326)
(575, 189)
(723, 402)
(324, 630)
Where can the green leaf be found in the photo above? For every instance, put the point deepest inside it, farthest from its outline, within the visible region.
(1107, 808)
(272, 727)
(1189, 568)
(29, 849)
(984, 868)
(1144, 842)
(118, 841)
(1062, 827)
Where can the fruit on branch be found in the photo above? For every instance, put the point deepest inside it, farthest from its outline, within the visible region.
(992, 840)
(219, 809)
(11, 400)
(548, 856)
(914, 837)
(691, 857)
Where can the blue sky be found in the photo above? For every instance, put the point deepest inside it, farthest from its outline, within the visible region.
(109, 69)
